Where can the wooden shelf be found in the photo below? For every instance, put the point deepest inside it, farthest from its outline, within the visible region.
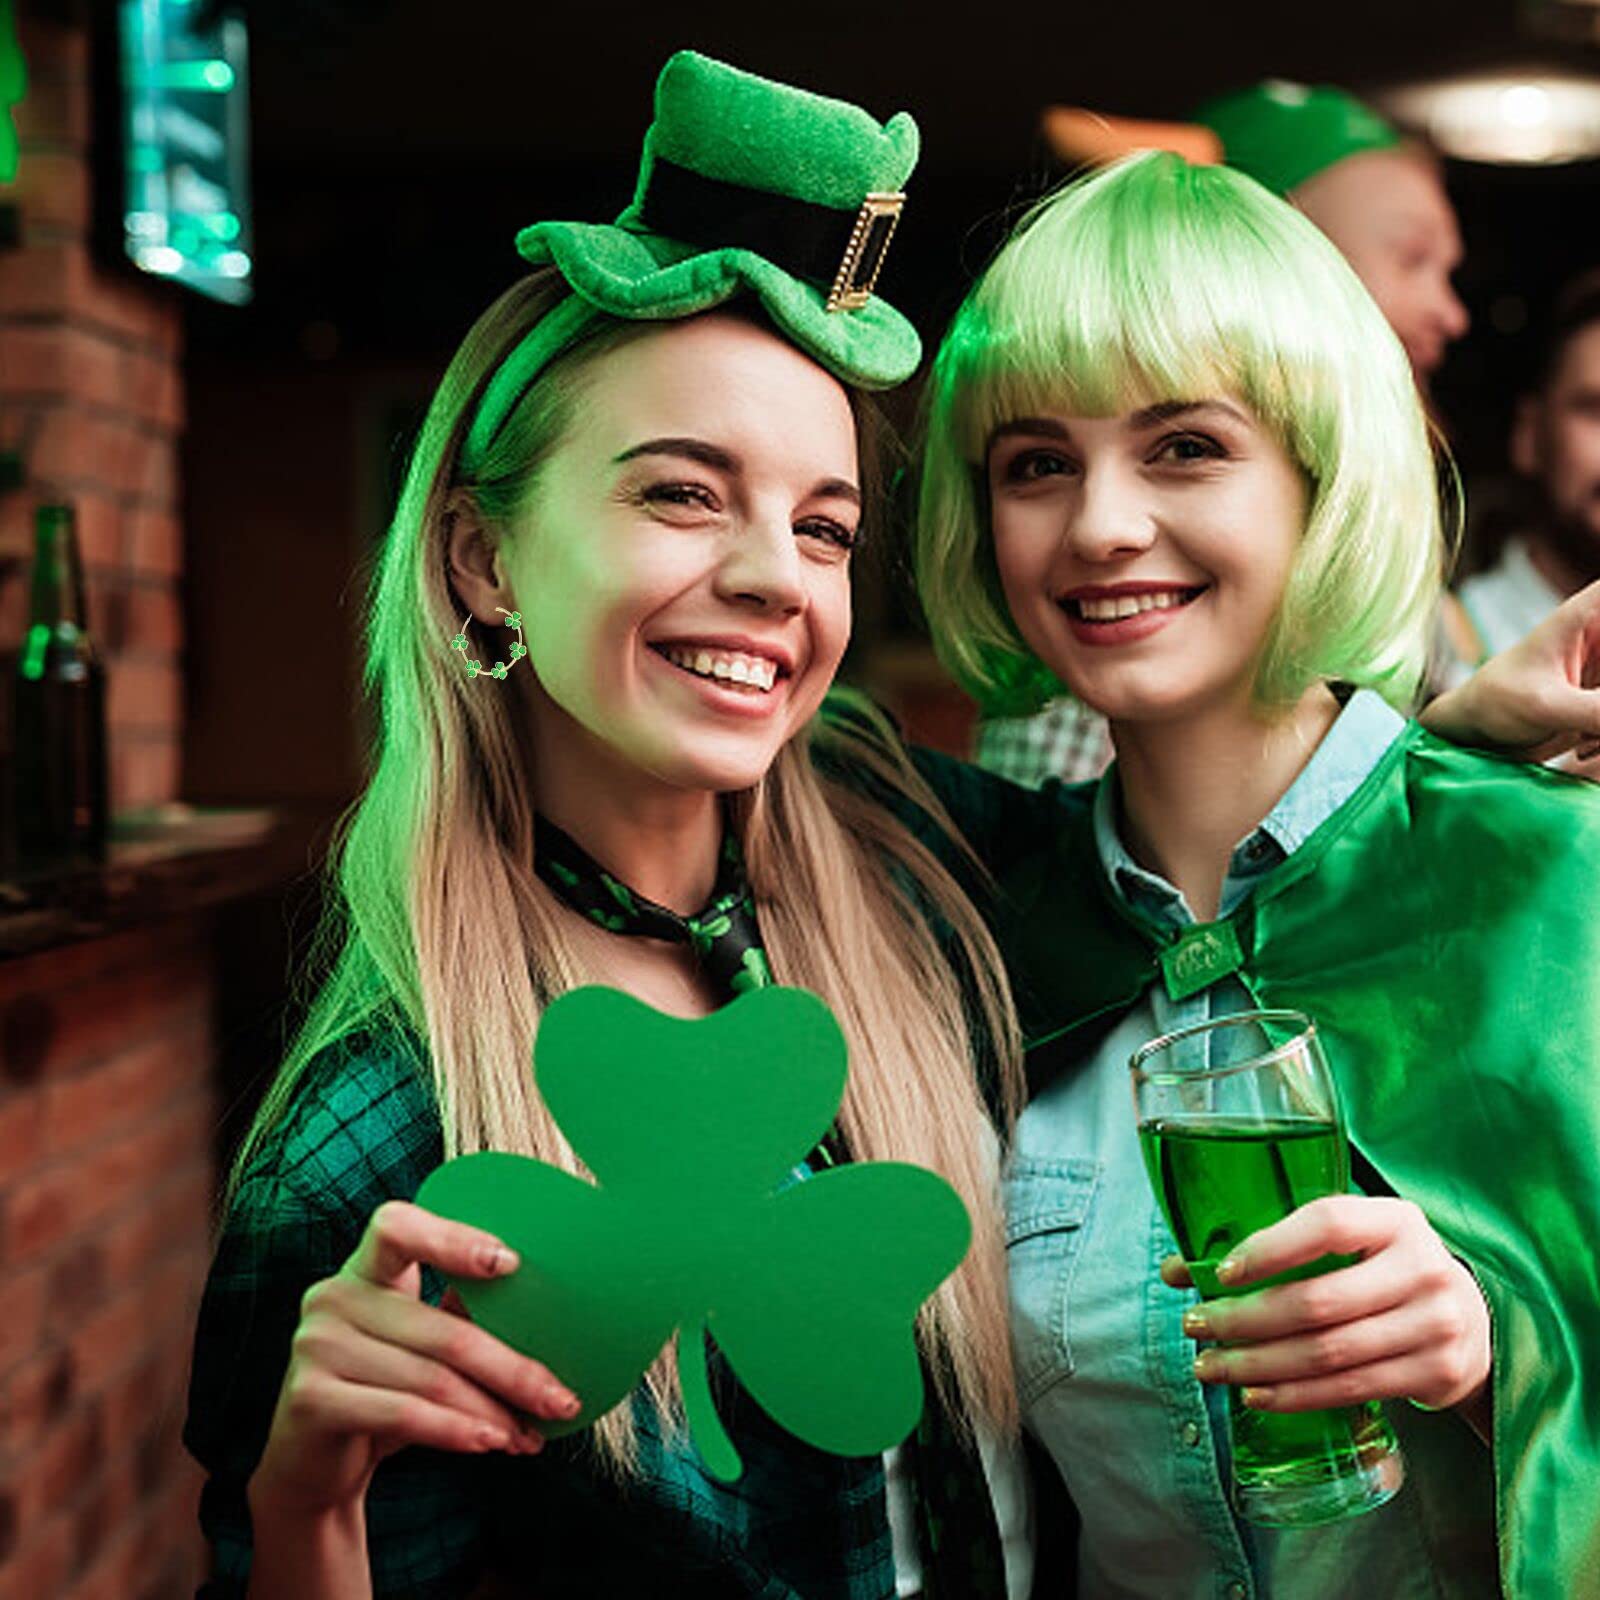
(170, 863)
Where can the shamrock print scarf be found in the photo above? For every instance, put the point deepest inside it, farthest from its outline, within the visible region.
(723, 935)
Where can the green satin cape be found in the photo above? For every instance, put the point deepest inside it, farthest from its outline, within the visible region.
(1443, 928)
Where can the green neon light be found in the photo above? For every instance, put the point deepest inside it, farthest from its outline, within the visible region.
(212, 77)
(184, 66)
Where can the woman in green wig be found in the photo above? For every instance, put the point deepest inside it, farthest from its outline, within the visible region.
(1382, 200)
(659, 494)
(1176, 461)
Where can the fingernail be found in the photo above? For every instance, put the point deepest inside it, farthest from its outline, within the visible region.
(564, 1403)
(529, 1443)
(1209, 1367)
(498, 1260)
(1196, 1323)
(493, 1438)
(1256, 1399)
(1230, 1270)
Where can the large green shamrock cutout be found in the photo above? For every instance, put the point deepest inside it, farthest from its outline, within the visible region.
(696, 1223)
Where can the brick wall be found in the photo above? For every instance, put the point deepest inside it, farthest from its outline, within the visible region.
(91, 393)
(107, 1104)
(106, 1115)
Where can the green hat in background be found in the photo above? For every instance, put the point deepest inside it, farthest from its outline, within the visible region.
(745, 187)
(1282, 133)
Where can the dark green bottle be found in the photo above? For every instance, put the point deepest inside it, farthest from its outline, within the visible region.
(60, 701)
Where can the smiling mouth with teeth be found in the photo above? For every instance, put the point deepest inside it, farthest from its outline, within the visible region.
(1113, 608)
(732, 669)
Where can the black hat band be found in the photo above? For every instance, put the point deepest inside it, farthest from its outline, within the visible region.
(820, 244)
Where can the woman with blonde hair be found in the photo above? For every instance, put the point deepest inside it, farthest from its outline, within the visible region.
(659, 494)
(1176, 461)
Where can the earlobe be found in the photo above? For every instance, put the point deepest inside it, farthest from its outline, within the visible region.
(472, 560)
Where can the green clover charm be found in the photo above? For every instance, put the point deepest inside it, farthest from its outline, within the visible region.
(754, 971)
(498, 670)
(695, 1223)
(513, 619)
(474, 668)
(712, 928)
(619, 892)
(459, 642)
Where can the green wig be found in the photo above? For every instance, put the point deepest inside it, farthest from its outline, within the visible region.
(1155, 280)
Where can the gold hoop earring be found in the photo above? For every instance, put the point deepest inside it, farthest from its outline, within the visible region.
(476, 669)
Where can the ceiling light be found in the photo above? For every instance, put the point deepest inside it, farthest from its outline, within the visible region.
(1527, 118)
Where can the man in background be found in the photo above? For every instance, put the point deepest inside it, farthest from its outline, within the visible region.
(1555, 448)
(1380, 198)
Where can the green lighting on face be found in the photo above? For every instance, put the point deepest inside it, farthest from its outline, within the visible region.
(33, 651)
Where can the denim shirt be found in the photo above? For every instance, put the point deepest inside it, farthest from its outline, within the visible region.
(1104, 1367)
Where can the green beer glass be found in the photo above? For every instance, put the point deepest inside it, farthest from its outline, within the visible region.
(1239, 1124)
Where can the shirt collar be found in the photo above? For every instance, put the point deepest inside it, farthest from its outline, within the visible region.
(1351, 748)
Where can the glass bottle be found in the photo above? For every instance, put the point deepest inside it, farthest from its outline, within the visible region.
(60, 721)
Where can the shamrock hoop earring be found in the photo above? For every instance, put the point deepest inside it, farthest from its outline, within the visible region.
(476, 669)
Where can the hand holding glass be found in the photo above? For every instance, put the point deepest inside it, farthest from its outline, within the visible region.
(1239, 1124)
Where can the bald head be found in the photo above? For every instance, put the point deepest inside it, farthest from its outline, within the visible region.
(1388, 213)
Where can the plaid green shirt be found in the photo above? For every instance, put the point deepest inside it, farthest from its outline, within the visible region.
(799, 1523)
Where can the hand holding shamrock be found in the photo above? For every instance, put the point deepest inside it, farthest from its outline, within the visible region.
(695, 1224)
(373, 1369)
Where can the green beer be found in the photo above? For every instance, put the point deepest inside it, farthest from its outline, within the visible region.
(1220, 1179)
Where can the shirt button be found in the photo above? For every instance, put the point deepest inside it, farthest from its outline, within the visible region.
(1191, 1434)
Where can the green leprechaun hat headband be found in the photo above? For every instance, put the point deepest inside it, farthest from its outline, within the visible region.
(745, 187)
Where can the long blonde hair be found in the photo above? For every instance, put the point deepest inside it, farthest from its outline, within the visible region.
(439, 928)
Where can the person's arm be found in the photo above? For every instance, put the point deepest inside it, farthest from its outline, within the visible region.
(373, 1369)
(1538, 699)
(308, 1556)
